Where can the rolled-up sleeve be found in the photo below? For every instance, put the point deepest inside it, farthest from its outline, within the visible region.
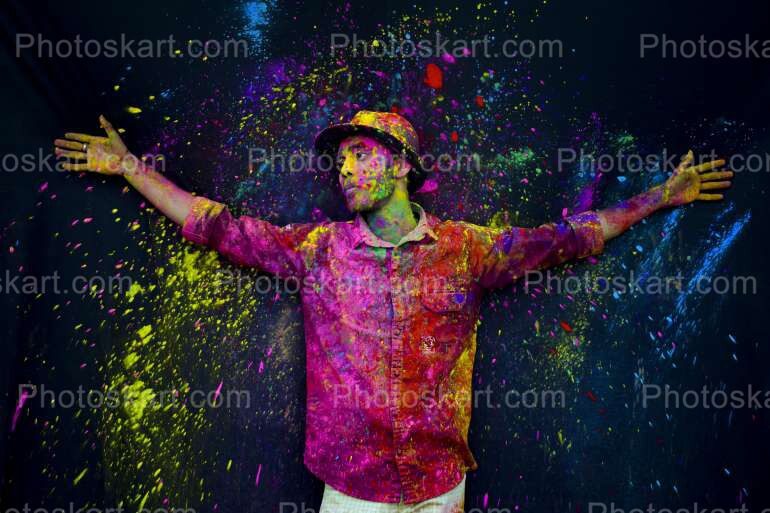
(248, 241)
(502, 255)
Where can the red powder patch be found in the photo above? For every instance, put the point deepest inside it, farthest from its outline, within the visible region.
(434, 78)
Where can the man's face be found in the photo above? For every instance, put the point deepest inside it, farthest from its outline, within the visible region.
(368, 172)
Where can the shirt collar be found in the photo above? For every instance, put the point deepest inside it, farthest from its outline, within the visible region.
(423, 228)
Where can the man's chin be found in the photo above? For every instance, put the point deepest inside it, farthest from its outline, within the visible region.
(357, 204)
(358, 207)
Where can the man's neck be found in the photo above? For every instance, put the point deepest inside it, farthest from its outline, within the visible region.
(394, 219)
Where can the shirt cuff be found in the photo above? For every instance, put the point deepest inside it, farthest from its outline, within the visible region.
(199, 223)
(589, 235)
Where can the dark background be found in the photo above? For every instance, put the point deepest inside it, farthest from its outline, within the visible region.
(711, 459)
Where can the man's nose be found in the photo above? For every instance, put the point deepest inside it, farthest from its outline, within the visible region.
(346, 169)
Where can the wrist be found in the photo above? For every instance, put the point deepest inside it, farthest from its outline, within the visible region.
(130, 165)
(660, 196)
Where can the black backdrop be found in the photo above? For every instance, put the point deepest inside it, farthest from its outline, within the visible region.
(714, 461)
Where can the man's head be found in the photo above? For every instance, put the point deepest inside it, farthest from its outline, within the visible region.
(370, 172)
(376, 153)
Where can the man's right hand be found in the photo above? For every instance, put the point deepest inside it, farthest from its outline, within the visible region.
(109, 156)
(104, 155)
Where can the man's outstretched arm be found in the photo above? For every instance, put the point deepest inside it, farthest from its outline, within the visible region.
(244, 240)
(685, 185)
(109, 156)
(501, 256)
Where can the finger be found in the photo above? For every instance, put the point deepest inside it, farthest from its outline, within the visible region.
(75, 167)
(709, 197)
(83, 137)
(111, 132)
(77, 155)
(714, 185)
(70, 145)
(717, 175)
(709, 165)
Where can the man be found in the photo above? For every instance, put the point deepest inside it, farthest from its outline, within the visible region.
(391, 302)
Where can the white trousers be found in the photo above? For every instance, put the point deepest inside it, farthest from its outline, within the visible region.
(452, 501)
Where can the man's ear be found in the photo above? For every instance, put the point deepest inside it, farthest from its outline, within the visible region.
(402, 165)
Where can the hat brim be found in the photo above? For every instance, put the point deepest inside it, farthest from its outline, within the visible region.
(327, 142)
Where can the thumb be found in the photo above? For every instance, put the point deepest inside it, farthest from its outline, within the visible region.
(107, 126)
(686, 160)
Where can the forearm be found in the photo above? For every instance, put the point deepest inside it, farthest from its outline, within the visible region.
(617, 219)
(167, 197)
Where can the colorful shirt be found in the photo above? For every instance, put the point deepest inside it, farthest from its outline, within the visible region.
(390, 333)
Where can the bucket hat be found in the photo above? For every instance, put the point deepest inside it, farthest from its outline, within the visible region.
(389, 128)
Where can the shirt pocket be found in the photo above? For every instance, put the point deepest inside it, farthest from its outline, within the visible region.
(452, 297)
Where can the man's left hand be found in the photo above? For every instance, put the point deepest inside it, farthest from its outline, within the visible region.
(690, 183)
